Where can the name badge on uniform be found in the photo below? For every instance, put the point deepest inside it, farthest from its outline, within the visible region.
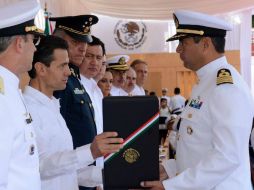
(195, 104)
(78, 91)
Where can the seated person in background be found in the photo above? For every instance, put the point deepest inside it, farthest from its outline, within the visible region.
(130, 82)
(61, 167)
(105, 84)
(177, 102)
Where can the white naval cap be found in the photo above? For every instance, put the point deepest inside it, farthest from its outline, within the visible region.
(118, 62)
(18, 18)
(189, 23)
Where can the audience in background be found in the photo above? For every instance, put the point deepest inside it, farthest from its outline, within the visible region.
(141, 69)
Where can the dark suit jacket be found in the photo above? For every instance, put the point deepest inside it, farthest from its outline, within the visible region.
(77, 110)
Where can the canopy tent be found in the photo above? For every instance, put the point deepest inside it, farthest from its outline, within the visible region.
(161, 10)
(140, 9)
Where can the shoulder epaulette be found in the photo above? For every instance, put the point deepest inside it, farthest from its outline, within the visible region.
(224, 76)
(1, 85)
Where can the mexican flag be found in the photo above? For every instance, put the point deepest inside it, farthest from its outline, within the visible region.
(48, 28)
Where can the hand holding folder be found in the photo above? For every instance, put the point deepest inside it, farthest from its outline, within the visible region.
(105, 143)
(136, 120)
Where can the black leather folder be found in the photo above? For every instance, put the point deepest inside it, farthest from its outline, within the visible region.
(136, 119)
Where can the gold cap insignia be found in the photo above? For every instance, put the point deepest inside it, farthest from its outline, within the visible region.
(1, 85)
(224, 76)
(122, 61)
(131, 155)
(86, 29)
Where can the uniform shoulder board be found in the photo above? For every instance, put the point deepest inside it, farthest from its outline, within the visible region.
(1, 85)
(224, 76)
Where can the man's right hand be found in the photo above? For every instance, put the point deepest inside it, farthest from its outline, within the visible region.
(106, 143)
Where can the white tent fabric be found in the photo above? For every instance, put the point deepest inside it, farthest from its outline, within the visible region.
(237, 12)
(140, 9)
(161, 9)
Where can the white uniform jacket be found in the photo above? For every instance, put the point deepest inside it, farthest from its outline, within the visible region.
(212, 148)
(115, 91)
(59, 163)
(19, 162)
(138, 91)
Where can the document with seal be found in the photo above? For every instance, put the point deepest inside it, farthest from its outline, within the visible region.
(136, 119)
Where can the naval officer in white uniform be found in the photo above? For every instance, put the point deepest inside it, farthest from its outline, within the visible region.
(19, 163)
(212, 147)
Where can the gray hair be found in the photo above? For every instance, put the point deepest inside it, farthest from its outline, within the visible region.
(5, 42)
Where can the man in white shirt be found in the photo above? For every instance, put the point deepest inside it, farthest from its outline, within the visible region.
(212, 150)
(177, 102)
(141, 69)
(19, 161)
(89, 68)
(118, 66)
(61, 167)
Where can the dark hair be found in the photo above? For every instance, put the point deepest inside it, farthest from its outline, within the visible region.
(136, 62)
(218, 43)
(45, 51)
(96, 41)
(163, 99)
(152, 93)
(177, 90)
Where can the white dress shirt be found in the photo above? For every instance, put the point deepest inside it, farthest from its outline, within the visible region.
(177, 103)
(19, 160)
(115, 91)
(212, 149)
(138, 91)
(58, 161)
(96, 97)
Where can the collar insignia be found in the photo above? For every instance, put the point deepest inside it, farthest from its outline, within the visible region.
(78, 91)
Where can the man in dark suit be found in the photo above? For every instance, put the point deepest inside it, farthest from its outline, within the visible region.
(76, 105)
